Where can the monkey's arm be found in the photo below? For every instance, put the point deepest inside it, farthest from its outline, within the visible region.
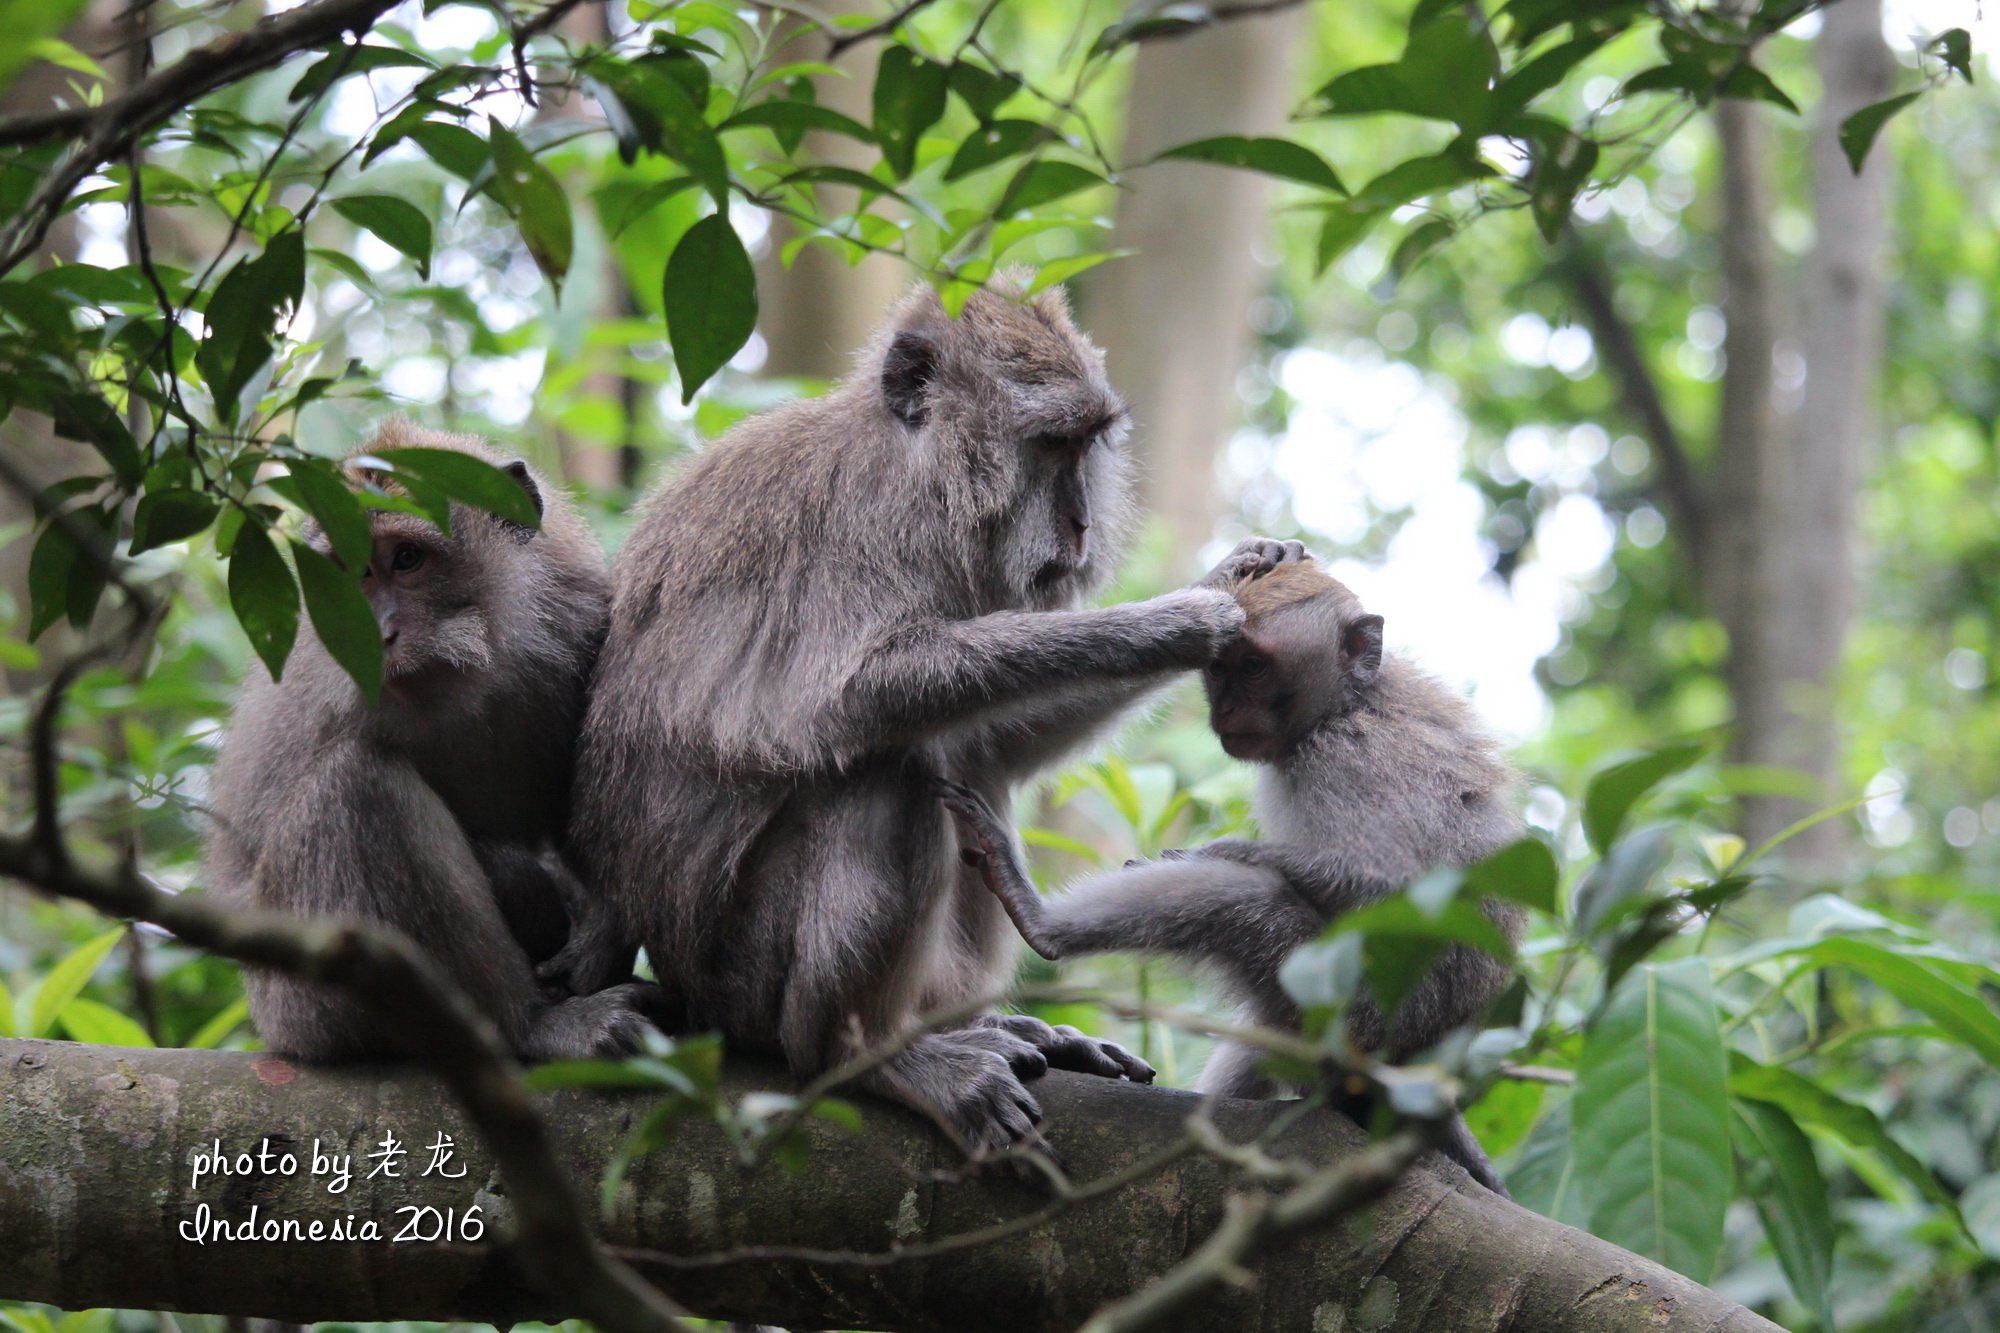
(931, 676)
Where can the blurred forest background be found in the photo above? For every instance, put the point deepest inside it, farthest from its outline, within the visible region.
(1719, 463)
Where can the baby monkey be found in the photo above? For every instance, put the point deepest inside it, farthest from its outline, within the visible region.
(1373, 773)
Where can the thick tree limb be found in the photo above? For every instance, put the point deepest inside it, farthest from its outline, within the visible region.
(96, 1146)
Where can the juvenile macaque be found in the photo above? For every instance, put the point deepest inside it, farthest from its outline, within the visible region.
(1373, 773)
(440, 809)
(831, 605)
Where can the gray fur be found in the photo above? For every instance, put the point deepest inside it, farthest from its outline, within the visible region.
(831, 604)
(439, 810)
(1378, 781)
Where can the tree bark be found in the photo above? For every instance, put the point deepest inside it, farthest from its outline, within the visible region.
(99, 1146)
(1812, 551)
(1174, 319)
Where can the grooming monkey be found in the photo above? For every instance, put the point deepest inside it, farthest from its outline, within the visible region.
(831, 605)
(1373, 773)
(439, 810)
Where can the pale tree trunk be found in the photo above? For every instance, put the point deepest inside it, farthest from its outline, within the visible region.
(1810, 554)
(602, 465)
(1174, 318)
(1737, 569)
(818, 313)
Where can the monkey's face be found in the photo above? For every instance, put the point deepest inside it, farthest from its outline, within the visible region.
(422, 587)
(1068, 473)
(1289, 673)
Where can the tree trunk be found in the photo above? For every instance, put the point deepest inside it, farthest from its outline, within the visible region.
(818, 313)
(1810, 553)
(1174, 318)
(98, 1201)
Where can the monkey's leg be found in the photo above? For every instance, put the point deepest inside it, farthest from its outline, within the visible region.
(1463, 1148)
(364, 836)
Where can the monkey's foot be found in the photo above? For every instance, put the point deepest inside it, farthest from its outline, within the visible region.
(966, 1082)
(1065, 1047)
(608, 1025)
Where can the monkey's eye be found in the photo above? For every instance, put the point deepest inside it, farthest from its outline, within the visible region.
(405, 558)
(1253, 666)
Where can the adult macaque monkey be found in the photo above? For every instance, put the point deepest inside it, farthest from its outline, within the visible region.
(1374, 773)
(833, 604)
(438, 810)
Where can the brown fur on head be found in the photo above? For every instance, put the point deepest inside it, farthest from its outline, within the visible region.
(1264, 595)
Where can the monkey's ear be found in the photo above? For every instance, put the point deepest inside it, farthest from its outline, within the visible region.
(907, 370)
(1361, 648)
(518, 470)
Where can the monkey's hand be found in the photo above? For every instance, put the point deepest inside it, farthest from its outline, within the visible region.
(1065, 1047)
(1251, 559)
(1203, 621)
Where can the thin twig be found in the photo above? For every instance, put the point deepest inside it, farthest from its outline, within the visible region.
(1258, 1221)
(874, 30)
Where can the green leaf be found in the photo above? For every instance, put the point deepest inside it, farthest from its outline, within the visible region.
(170, 515)
(1810, 1104)
(711, 300)
(88, 418)
(531, 193)
(1783, 1179)
(7, 1028)
(1041, 183)
(982, 91)
(211, 1034)
(1062, 270)
(101, 1025)
(1503, 1117)
(27, 23)
(262, 594)
(1961, 1012)
(1619, 883)
(1522, 872)
(1343, 227)
(908, 99)
(1273, 157)
(1524, 84)
(1652, 1118)
(341, 616)
(1404, 940)
(401, 223)
(49, 567)
(1858, 131)
(342, 61)
(788, 114)
(466, 479)
(661, 116)
(619, 208)
(1954, 47)
(1420, 176)
(994, 143)
(1544, 1175)
(1614, 791)
(1443, 75)
(453, 147)
(242, 315)
(67, 979)
(325, 495)
(1749, 83)
(1417, 245)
